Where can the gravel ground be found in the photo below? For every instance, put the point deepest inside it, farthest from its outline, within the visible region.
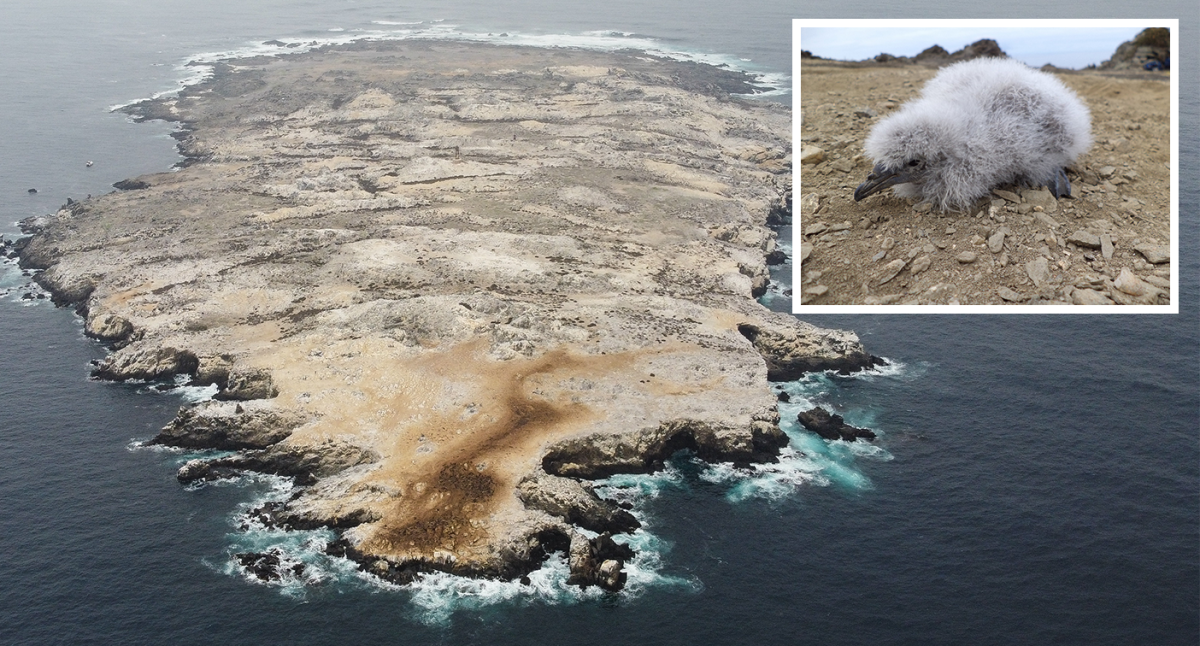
(1109, 243)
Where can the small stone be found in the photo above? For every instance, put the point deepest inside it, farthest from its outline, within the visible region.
(1129, 283)
(1003, 259)
(1084, 239)
(879, 256)
(816, 228)
(891, 269)
(966, 257)
(1154, 254)
(809, 204)
(1089, 297)
(923, 207)
(1046, 220)
(920, 264)
(888, 243)
(811, 155)
(996, 242)
(1107, 171)
(1040, 197)
(1106, 246)
(1158, 281)
(1008, 195)
(951, 231)
(816, 290)
(844, 165)
(1038, 270)
(840, 226)
(806, 249)
(1009, 295)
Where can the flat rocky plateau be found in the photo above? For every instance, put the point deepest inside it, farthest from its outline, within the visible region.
(1107, 244)
(443, 286)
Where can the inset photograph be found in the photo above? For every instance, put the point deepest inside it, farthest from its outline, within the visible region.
(976, 163)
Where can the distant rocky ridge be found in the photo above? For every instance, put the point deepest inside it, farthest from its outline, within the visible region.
(443, 286)
(936, 55)
(1152, 44)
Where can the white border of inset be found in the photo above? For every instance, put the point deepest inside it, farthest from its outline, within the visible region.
(797, 92)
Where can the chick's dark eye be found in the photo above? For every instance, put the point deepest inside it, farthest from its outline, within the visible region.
(913, 163)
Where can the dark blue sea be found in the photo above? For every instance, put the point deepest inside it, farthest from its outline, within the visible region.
(1036, 479)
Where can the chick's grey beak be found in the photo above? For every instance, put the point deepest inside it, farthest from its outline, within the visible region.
(881, 178)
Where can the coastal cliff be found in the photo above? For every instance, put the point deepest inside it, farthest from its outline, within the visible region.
(444, 285)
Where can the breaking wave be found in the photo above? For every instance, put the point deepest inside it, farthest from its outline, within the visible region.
(300, 559)
(300, 563)
(199, 68)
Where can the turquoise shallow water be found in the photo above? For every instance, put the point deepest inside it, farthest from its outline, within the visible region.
(1035, 481)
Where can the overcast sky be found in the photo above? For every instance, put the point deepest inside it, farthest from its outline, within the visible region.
(1072, 48)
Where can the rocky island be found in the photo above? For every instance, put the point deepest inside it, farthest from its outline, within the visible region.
(443, 286)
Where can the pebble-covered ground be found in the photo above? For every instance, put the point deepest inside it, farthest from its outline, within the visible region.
(1107, 244)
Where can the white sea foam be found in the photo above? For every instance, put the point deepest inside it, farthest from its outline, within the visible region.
(437, 596)
(181, 386)
(14, 285)
(636, 488)
(894, 368)
(303, 562)
(198, 68)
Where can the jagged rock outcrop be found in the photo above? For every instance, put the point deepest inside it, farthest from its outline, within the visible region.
(305, 463)
(283, 514)
(270, 565)
(1152, 44)
(832, 426)
(147, 362)
(107, 327)
(790, 355)
(575, 502)
(598, 561)
(248, 383)
(645, 451)
(228, 427)
(439, 283)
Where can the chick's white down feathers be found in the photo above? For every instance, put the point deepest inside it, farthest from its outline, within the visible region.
(977, 125)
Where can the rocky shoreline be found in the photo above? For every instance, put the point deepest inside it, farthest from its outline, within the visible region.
(444, 286)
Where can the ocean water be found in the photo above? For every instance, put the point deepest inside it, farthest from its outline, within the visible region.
(1036, 478)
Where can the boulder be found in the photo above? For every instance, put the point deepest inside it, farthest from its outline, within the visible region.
(832, 427)
(227, 427)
